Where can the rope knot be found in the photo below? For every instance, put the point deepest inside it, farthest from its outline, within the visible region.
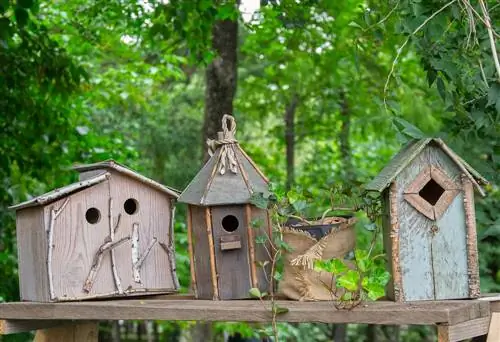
(224, 141)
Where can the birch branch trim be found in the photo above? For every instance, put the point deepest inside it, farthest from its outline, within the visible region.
(171, 258)
(112, 230)
(135, 251)
(96, 264)
(54, 214)
(138, 264)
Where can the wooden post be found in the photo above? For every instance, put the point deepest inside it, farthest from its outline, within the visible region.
(82, 332)
(470, 223)
(211, 250)
(191, 252)
(251, 245)
(396, 266)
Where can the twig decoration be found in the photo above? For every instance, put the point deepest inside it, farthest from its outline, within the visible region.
(54, 214)
(96, 264)
(112, 231)
(138, 264)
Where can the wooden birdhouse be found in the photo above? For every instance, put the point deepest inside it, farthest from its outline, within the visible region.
(429, 222)
(223, 225)
(110, 234)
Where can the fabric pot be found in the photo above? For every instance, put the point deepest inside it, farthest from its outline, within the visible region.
(331, 238)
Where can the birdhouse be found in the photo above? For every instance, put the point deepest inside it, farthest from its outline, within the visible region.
(226, 261)
(429, 222)
(110, 234)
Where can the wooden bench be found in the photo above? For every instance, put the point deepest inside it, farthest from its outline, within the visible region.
(78, 321)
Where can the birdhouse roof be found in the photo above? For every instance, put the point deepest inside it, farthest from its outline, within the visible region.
(59, 193)
(113, 165)
(217, 184)
(412, 149)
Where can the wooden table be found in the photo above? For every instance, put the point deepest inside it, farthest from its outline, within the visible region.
(456, 320)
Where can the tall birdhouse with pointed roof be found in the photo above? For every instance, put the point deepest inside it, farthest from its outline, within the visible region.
(429, 222)
(226, 261)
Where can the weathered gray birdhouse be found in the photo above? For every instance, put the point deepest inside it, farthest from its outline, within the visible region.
(223, 225)
(429, 222)
(110, 234)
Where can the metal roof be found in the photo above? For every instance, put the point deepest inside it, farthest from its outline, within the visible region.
(209, 187)
(56, 194)
(412, 149)
(113, 165)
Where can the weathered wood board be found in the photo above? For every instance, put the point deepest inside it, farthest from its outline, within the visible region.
(449, 248)
(382, 312)
(415, 239)
(233, 266)
(201, 253)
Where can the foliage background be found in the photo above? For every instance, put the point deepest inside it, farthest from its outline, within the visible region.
(326, 92)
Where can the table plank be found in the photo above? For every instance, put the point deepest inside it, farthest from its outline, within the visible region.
(384, 312)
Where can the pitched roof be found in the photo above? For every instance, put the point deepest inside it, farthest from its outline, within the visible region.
(56, 194)
(113, 165)
(412, 149)
(210, 187)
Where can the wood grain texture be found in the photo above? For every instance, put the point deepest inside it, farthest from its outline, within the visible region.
(394, 227)
(154, 218)
(494, 330)
(470, 223)
(82, 332)
(381, 312)
(15, 326)
(463, 331)
(251, 245)
(415, 254)
(76, 241)
(387, 242)
(449, 256)
(201, 254)
(32, 251)
(212, 254)
(233, 266)
(262, 251)
(190, 250)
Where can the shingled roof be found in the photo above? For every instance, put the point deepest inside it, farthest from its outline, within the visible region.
(113, 165)
(229, 176)
(412, 149)
(210, 187)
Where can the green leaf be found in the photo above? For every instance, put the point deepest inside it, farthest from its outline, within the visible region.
(21, 16)
(255, 292)
(355, 24)
(493, 94)
(259, 200)
(441, 88)
(349, 281)
(375, 291)
(409, 129)
(260, 239)
(279, 310)
(362, 260)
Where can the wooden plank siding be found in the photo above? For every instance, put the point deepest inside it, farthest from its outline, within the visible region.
(233, 266)
(449, 253)
(201, 253)
(415, 241)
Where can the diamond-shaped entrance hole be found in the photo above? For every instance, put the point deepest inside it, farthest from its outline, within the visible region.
(431, 192)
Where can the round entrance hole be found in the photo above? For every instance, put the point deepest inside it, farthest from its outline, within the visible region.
(93, 215)
(230, 223)
(131, 206)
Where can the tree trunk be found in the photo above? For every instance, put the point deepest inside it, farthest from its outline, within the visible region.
(221, 76)
(344, 138)
(290, 139)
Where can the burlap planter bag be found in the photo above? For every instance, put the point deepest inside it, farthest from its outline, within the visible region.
(300, 281)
